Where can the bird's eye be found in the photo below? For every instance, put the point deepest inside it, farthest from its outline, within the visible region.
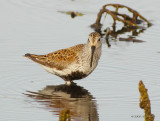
(99, 39)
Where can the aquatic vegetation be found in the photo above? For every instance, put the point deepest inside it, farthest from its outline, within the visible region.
(135, 24)
(72, 13)
(145, 102)
(65, 115)
(124, 18)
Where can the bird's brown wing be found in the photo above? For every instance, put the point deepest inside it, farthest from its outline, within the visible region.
(59, 59)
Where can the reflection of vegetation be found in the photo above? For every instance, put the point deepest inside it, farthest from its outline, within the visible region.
(69, 102)
(72, 13)
(123, 30)
(130, 39)
(145, 102)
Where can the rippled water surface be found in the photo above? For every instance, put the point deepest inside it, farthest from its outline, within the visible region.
(28, 93)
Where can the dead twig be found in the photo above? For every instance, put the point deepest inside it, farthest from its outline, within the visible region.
(127, 20)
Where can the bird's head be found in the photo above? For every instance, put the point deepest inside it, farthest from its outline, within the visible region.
(94, 42)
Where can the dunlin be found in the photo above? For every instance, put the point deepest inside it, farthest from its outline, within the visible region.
(72, 63)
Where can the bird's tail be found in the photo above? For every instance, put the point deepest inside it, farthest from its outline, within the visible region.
(30, 56)
(27, 55)
(36, 58)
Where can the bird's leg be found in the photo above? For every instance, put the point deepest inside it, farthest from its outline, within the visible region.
(68, 82)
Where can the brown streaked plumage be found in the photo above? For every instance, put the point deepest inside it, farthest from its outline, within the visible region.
(72, 63)
(59, 59)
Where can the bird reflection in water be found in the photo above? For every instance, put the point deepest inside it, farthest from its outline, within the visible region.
(69, 102)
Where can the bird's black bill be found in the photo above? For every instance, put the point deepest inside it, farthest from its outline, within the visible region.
(92, 53)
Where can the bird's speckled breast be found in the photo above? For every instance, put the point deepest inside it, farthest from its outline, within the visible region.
(86, 59)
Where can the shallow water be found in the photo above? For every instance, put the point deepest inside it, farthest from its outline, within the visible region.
(109, 93)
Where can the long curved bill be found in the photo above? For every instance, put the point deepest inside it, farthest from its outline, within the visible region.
(92, 53)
